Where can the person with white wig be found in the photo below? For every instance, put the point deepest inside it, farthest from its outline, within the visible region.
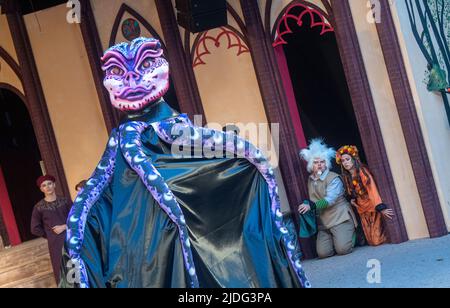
(336, 222)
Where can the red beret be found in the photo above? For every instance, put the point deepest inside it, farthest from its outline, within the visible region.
(44, 178)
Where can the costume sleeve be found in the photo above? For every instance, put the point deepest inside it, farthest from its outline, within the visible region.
(334, 190)
(36, 223)
(372, 190)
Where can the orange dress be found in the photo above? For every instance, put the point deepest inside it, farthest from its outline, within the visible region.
(371, 220)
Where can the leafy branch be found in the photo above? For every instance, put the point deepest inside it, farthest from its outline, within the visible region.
(434, 18)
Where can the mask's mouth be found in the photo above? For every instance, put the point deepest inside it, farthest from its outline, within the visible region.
(135, 94)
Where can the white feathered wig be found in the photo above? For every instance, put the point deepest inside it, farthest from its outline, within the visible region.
(317, 149)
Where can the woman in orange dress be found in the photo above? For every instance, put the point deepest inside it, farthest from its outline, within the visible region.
(362, 189)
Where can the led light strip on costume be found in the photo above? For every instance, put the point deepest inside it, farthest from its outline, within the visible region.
(89, 195)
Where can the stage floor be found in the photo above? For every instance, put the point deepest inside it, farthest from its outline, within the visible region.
(26, 266)
(415, 264)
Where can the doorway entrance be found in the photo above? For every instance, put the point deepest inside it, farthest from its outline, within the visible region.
(318, 96)
(312, 70)
(19, 161)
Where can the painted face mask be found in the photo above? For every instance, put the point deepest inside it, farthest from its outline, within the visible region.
(136, 74)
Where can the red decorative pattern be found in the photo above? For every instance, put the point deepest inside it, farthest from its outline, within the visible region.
(326, 27)
(234, 41)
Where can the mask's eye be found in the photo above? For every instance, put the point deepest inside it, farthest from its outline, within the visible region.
(146, 64)
(115, 70)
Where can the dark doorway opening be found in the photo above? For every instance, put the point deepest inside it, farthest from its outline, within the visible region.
(319, 83)
(309, 60)
(20, 159)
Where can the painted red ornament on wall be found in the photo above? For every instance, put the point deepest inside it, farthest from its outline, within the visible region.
(231, 38)
(316, 17)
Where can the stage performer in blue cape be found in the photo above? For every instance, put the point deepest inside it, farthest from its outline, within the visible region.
(153, 215)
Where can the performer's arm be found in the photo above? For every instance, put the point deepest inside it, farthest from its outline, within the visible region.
(36, 224)
(334, 190)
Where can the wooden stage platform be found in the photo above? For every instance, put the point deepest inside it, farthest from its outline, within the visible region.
(26, 266)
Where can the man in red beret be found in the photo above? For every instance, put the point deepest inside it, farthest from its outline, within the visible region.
(49, 220)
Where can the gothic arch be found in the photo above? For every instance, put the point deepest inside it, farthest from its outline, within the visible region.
(127, 9)
(11, 62)
(33, 98)
(281, 26)
(16, 91)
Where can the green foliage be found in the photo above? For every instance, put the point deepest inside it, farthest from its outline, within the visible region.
(430, 24)
(437, 80)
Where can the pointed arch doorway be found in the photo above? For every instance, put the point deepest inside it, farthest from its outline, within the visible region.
(19, 165)
(318, 96)
(308, 57)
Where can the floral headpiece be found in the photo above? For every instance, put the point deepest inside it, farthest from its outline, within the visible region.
(349, 150)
